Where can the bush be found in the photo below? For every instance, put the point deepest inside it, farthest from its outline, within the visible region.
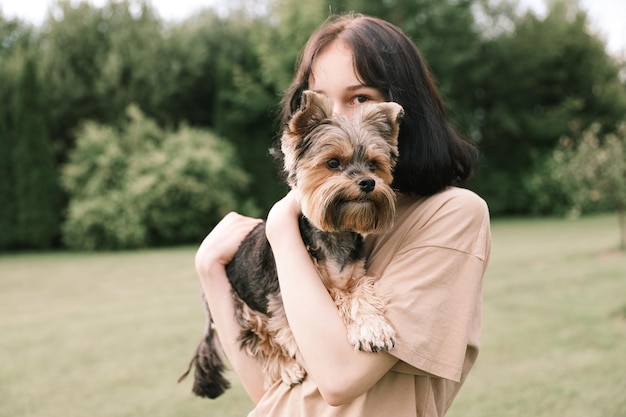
(187, 185)
(143, 186)
(548, 196)
(594, 169)
(107, 222)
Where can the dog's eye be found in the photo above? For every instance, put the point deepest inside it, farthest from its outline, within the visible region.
(333, 163)
(372, 166)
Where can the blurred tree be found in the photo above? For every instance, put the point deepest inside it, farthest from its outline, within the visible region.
(37, 191)
(513, 83)
(72, 53)
(535, 81)
(290, 23)
(10, 32)
(204, 72)
(245, 104)
(17, 40)
(592, 169)
(260, 65)
(98, 60)
(183, 77)
(7, 189)
(133, 66)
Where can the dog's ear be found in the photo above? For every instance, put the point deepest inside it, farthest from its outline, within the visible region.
(385, 118)
(314, 109)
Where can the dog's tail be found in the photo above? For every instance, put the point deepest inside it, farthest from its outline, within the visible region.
(209, 380)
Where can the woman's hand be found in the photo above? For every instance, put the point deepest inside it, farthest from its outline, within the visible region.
(283, 216)
(219, 246)
(215, 252)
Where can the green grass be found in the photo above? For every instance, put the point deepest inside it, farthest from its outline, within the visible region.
(554, 323)
(102, 335)
(107, 335)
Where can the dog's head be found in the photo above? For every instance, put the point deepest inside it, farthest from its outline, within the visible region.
(342, 169)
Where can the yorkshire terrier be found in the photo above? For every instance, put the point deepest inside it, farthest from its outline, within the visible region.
(341, 171)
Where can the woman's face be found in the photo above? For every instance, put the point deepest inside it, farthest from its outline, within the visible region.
(333, 74)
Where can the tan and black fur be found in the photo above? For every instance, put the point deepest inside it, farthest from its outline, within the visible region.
(341, 171)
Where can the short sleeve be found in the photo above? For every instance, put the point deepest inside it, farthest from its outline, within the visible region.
(431, 268)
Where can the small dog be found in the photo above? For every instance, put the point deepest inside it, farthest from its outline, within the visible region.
(341, 171)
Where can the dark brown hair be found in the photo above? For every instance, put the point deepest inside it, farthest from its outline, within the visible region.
(432, 154)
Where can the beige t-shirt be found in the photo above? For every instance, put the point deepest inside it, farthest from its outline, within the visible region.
(431, 267)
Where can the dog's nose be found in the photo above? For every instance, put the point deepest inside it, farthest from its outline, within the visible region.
(367, 184)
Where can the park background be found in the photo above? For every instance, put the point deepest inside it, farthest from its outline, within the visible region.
(124, 137)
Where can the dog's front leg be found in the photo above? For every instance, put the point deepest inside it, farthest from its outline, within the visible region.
(362, 312)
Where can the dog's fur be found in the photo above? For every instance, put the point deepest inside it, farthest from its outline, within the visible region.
(341, 171)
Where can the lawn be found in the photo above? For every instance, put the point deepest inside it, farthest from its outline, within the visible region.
(108, 334)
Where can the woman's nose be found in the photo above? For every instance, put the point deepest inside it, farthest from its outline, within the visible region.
(342, 110)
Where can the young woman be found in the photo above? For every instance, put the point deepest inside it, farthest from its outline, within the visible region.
(431, 264)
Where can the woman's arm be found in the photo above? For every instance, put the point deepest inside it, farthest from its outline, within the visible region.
(340, 372)
(215, 252)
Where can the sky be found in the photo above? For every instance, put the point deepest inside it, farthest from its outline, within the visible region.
(607, 17)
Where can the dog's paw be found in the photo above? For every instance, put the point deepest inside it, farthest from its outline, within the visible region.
(292, 374)
(374, 335)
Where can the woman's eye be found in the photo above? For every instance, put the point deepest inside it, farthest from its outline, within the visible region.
(361, 99)
(333, 163)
